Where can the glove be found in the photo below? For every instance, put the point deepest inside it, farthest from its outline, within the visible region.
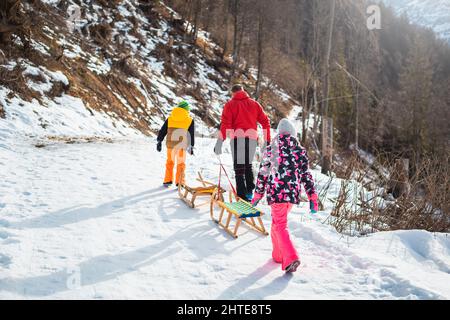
(313, 203)
(256, 199)
(190, 150)
(159, 146)
(218, 147)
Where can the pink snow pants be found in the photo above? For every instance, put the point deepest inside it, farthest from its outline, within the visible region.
(283, 249)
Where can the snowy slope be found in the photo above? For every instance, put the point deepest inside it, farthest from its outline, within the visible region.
(154, 93)
(120, 85)
(95, 215)
(434, 14)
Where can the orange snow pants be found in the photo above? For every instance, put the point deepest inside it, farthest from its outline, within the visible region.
(177, 156)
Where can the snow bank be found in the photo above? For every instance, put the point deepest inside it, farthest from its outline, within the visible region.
(120, 235)
(63, 116)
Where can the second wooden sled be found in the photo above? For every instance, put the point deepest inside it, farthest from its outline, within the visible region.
(242, 211)
(189, 194)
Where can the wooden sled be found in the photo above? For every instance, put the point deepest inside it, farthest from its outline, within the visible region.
(189, 195)
(241, 210)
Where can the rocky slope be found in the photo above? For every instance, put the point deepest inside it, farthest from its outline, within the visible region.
(100, 67)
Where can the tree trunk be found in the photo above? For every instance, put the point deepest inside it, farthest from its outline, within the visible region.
(225, 23)
(197, 9)
(357, 117)
(260, 55)
(235, 37)
(304, 114)
(326, 162)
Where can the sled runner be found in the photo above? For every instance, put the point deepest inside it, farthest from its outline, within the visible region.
(189, 195)
(242, 211)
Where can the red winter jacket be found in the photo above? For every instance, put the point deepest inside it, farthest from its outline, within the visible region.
(241, 116)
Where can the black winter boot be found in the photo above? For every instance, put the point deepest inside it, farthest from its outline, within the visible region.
(240, 186)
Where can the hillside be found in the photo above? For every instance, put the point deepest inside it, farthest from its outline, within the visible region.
(434, 14)
(115, 68)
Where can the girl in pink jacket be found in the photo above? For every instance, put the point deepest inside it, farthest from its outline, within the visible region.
(283, 169)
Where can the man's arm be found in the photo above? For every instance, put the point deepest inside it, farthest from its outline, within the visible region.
(192, 133)
(264, 121)
(163, 132)
(226, 123)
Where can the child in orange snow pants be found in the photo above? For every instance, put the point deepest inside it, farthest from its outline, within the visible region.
(180, 132)
(177, 156)
(283, 170)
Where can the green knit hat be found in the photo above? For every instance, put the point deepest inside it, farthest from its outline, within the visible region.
(184, 105)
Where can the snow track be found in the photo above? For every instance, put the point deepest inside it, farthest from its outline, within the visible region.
(91, 221)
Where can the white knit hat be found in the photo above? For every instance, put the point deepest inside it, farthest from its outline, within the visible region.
(286, 127)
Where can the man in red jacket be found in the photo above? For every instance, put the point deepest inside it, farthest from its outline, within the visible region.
(240, 119)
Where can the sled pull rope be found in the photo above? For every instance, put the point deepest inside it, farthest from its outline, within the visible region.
(222, 168)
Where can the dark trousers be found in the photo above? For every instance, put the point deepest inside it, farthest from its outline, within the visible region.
(243, 151)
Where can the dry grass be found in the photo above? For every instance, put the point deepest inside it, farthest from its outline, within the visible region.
(2, 112)
(16, 82)
(425, 205)
(109, 3)
(58, 89)
(73, 140)
(279, 108)
(125, 66)
(101, 33)
(37, 78)
(14, 22)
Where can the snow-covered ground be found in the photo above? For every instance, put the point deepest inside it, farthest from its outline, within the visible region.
(91, 221)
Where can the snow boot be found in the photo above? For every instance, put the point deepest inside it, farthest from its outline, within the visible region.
(167, 184)
(293, 267)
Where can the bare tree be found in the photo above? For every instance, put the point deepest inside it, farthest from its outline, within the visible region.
(260, 50)
(326, 162)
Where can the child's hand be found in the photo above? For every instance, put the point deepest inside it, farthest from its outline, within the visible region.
(218, 147)
(313, 203)
(256, 199)
(312, 206)
(255, 202)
